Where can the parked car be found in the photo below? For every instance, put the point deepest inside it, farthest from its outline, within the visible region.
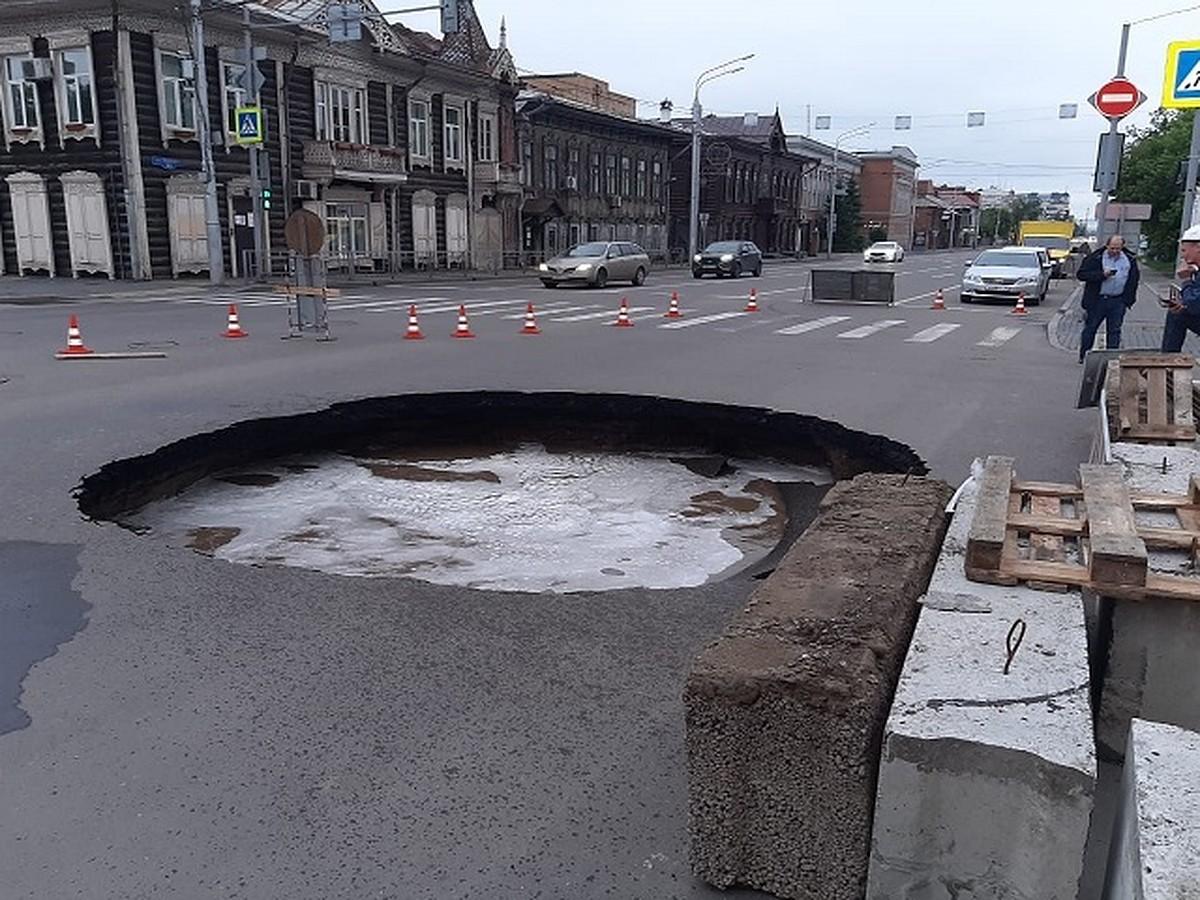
(597, 263)
(728, 258)
(1005, 272)
(883, 251)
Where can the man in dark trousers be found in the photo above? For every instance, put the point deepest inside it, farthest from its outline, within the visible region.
(1183, 315)
(1110, 277)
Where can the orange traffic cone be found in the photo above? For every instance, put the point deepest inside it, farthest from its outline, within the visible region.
(623, 320)
(234, 327)
(939, 301)
(752, 303)
(531, 325)
(75, 345)
(1019, 309)
(673, 310)
(464, 327)
(414, 329)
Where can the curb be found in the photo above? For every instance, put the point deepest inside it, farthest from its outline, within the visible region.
(1071, 303)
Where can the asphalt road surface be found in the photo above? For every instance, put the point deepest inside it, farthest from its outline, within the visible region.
(176, 726)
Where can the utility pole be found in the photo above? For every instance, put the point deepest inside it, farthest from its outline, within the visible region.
(250, 83)
(694, 209)
(1193, 171)
(216, 265)
(1112, 140)
(833, 185)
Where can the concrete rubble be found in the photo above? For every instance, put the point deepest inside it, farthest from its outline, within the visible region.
(786, 710)
(1155, 852)
(986, 780)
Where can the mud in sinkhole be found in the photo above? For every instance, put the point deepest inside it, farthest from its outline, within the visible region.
(504, 491)
(514, 519)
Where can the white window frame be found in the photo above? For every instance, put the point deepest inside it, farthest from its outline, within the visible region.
(68, 129)
(341, 112)
(420, 149)
(487, 137)
(23, 133)
(183, 89)
(229, 71)
(452, 135)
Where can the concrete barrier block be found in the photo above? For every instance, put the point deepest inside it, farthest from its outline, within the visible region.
(1155, 851)
(1151, 670)
(986, 779)
(785, 712)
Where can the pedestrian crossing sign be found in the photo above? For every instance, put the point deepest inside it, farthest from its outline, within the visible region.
(249, 125)
(1181, 87)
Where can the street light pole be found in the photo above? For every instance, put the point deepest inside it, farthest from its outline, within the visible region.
(694, 208)
(216, 265)
(832, 229)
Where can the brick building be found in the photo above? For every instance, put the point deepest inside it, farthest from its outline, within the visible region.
(945, 216)
(888, 188)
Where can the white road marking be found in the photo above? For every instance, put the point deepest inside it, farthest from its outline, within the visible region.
(813, 325)
(999, 336)
(392, 305)
(548, 310)
(868, 330)
(705, 320)
(927, 295)
(606, 314)
(932, 334)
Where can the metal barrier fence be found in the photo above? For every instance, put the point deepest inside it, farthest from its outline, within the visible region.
(853, 286)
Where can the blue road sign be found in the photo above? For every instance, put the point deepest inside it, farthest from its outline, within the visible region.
(249, 125)
(1181, 86)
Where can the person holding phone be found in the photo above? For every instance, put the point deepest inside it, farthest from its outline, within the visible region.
(1183, 315)
(1110, 277)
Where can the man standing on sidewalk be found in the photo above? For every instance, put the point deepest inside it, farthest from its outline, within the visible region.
(1110, 278)
(1183, 315)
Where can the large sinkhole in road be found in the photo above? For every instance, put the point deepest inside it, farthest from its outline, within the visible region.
(498, 491)
(519, 519)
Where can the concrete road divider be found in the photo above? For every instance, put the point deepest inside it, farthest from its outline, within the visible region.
(786, 711)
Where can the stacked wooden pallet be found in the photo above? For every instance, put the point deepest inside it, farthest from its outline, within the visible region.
(1084, 536)
(1151, 399)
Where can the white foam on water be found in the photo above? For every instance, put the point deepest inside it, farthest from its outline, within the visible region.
(560, 522)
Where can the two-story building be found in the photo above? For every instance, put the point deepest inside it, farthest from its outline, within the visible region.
(820, 177)
(751, 184)
(888, 184)
(400, 142)
(590, 168)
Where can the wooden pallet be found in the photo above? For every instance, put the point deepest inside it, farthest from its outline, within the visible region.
(1060, 535)
(1155, 402)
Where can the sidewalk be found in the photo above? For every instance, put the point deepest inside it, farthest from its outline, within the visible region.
(1143, 323)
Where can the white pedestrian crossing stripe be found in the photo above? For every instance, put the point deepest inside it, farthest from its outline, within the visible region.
(705, 320)
(932, 334)
(606, 314)
(551, 309)
(999, 336)
(868, 330)
(813, 325)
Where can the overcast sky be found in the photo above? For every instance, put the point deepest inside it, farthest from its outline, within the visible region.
(870, 61)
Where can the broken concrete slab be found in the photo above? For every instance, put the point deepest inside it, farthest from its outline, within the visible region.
(1151, 670)
(1155, 851)
(986, 779)
(785, 712)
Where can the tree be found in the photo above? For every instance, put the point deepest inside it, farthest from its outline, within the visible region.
(849, 235)
(1150, 174)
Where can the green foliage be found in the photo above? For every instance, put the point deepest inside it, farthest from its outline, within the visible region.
(849, 234)
(876, 234)
(1150, 174)
(1001, 222)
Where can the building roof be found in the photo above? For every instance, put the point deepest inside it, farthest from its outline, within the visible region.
(898, 153)
(529, 101)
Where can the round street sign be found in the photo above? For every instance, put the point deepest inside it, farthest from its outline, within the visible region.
(1117, 99)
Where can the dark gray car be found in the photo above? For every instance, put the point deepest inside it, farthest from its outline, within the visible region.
(728, 258)
(597, 263)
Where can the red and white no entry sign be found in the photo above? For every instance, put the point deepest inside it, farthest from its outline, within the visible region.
(1117, 99)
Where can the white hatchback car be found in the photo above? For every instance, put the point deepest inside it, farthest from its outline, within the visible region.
(883, 251)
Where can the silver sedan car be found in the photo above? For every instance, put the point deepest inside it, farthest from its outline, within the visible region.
(597, 263)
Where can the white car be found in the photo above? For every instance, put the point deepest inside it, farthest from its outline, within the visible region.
(1005, 272)
(883, 251)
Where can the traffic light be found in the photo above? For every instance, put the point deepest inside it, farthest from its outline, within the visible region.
(266, 198)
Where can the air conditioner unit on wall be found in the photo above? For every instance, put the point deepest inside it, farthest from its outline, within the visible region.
(306, 190)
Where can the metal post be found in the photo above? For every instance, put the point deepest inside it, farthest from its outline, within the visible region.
(1112, 131)
(832, 225)
(1193, 171)
(252, 99)
(694, 217)
(216, 265)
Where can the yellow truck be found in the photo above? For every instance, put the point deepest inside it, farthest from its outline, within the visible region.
(1054, 237)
